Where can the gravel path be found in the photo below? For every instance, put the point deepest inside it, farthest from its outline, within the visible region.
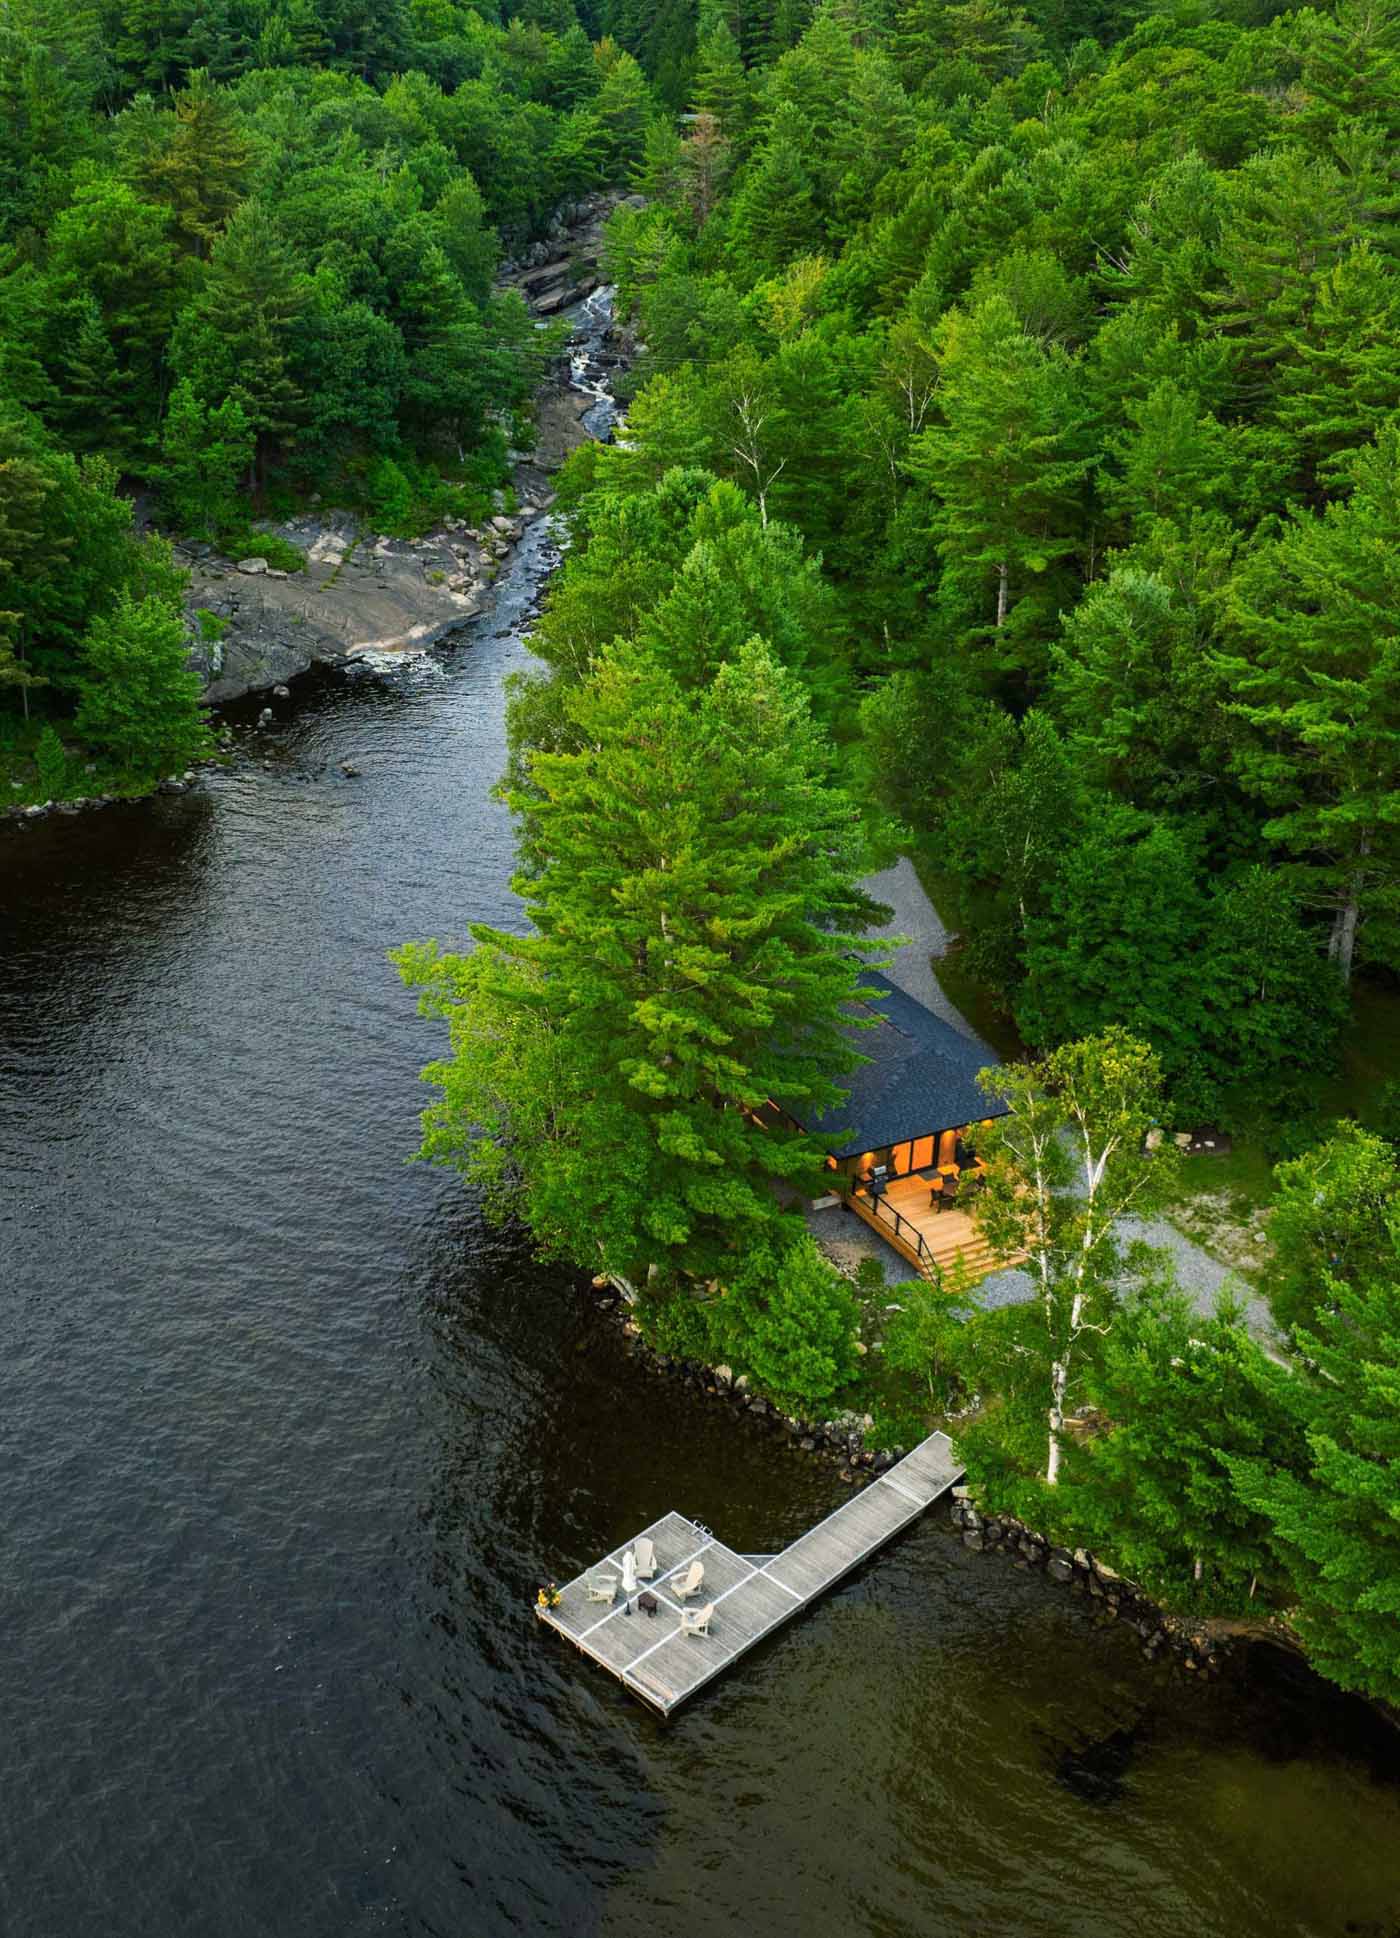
(911, 967)
(1201, 1275)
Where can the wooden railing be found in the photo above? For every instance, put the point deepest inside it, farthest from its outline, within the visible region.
(910, 1234)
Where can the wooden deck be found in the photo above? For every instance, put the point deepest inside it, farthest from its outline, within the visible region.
(949, 1237)
(752, 1594)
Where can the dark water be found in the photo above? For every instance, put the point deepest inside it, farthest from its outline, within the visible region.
(290, 1437)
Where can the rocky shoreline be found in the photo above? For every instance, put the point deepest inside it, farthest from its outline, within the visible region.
(1192, 1646)
(363, 595)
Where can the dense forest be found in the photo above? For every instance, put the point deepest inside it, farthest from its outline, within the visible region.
(1009, 478)
(246, 256)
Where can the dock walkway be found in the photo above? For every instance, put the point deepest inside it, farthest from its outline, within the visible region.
(752, 1594)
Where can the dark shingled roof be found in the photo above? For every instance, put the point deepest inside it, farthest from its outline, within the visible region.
(921, 1077)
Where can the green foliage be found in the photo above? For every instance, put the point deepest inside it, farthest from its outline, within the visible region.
(786, 1316)
(1183, 1397)
(1222, 978)
(138, 701)
(1330, 1222)
(283, 224)
(206, 454)
(1317, 674)
(244, 542)
(1063, 1169)
(1335, 1515)
(1006, 469)
(678, 1323)
(925, 1337)
(52, 765)
(690, 877)
(405, 498)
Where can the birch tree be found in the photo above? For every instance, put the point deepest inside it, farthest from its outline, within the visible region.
(752, 415)
(1064, 1168)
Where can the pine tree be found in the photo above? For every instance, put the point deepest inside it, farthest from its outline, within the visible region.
(1335, 1516)
(196, 162)
(722, 88)
(236, 339)
(1351, 65)
(110, 249)
(920, 41)
(1006, 466)
(775, 217)
(1290, 217)
(1175, 458)
(623, 109)
(1341, 379)
(206, 453)
(23, 489)
(693, 870)
(100, 408)
(1138, 693)
(704, 165)
(1316, 672)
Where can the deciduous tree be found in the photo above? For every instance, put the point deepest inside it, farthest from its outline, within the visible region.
(1063, 1169)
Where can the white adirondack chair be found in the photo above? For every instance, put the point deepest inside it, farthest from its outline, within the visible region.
(602, 1586)
(684, 1586)
(697, 1621)
(645, 1552)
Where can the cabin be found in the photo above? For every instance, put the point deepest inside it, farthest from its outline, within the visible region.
(904, 1145)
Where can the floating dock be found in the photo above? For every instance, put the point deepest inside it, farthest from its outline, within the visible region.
(751, 1594)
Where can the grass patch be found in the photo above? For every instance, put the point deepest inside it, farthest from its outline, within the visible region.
(1221, 1203)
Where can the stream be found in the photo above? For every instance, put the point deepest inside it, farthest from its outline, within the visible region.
(290, 1436)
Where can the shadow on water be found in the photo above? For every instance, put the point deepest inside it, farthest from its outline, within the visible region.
(1097, 1771)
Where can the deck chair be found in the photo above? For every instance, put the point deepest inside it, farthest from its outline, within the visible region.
(697, 1621)
(602, 1586)
(688, 1584)
(645, 1552)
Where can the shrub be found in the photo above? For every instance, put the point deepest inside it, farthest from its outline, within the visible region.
(51, 760)
(675, 1323)
(139, 700)
(243, 542)
(789, 1318)
(924, 1336)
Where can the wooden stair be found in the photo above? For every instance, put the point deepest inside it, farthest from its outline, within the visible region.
(931, 1241)
(975, 1254)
